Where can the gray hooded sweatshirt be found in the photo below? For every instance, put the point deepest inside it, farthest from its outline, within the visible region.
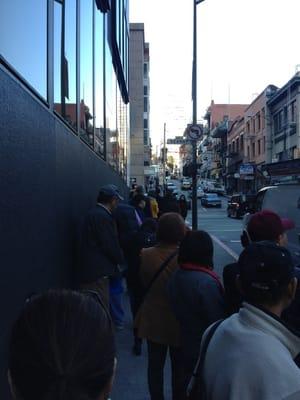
(250, 357)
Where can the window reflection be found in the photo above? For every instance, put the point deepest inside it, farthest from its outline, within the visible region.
(23, 40)
(99, 85)
(112, 147)
(65, 60)
(122, 125)
(86, 71)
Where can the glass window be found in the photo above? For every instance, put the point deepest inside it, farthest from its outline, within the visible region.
(145, 123)
(145, 69)
(86, 71)
(259, 148)
(111, 110)
(263, 118)
(253, 149)
(145, 90)
(145, 137)
(65, 60)
(23, 40)
(99, 84)
(242, 142)
(145, 104)
(264, 144)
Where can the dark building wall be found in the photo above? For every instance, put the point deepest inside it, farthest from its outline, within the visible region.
(48, 180)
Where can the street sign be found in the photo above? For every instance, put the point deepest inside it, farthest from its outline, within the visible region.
(195, 132)
(176, 140)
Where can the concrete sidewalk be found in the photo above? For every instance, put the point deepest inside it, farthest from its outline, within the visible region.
(131, 376)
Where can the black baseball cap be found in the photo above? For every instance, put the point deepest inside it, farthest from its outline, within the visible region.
(110, 190)
(265, 266)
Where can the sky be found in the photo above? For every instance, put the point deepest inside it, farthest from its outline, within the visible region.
(243, 46)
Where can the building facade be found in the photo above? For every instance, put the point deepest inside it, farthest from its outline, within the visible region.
(139, 92)
(219, 119)
(64, 133)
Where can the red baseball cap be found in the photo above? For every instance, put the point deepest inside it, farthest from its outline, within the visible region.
(267, 225)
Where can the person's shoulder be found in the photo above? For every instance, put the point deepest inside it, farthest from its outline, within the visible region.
(232, 268)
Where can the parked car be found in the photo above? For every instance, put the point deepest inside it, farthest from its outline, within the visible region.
(219, 189)
(239, 205)
(284, 200)
(211, 200)
(200, 192)
(186, 184)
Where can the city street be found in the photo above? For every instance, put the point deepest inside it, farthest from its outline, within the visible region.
(131, 376)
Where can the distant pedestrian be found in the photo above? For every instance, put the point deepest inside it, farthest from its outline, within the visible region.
(100, 251)
(183, 206)
(250, 355)
(155, 320)
(168, 204)
(139, 203)
(62, 347)
(196, 294)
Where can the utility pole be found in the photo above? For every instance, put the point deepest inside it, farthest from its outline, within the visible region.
(194, 142)
(164, 161)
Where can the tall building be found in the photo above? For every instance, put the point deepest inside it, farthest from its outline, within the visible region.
(64, 133)
(139, 91)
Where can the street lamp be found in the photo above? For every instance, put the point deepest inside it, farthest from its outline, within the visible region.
(194, 97)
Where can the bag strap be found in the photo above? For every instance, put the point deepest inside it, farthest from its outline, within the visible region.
(198, 372)
(157, 273)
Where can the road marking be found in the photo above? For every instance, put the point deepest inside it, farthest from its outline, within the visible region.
(204, 209)
(225, 247)
(235, 241)
(223, 230)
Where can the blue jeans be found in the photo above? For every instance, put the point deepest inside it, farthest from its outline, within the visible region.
(116, 291)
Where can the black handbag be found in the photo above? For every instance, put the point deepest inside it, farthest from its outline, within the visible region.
(196, 388)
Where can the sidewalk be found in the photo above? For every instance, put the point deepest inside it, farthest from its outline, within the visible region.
(131, 376)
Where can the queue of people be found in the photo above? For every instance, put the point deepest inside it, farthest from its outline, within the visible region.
(234, 341)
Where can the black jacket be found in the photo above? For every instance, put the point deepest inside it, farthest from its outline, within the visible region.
(197, 302)
(100, 251)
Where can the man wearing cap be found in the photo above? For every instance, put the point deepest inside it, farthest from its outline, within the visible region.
(101, 254)
(250, 355)
(263, 225)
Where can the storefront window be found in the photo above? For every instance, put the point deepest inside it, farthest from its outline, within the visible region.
(23, 40)
(86, 71)
(65, 60)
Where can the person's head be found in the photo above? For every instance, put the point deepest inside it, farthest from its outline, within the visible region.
(109, 196)
(139, 201)
(140, 190)
(62, 348)
(182, 198)
(171, 228)
(267, 275)
(266, 225)
(196, 248)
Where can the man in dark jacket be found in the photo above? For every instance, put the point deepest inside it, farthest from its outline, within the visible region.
(101, 253)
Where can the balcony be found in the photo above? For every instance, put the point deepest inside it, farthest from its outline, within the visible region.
(220, 131)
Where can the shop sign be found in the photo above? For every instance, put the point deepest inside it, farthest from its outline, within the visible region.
(246, 169)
